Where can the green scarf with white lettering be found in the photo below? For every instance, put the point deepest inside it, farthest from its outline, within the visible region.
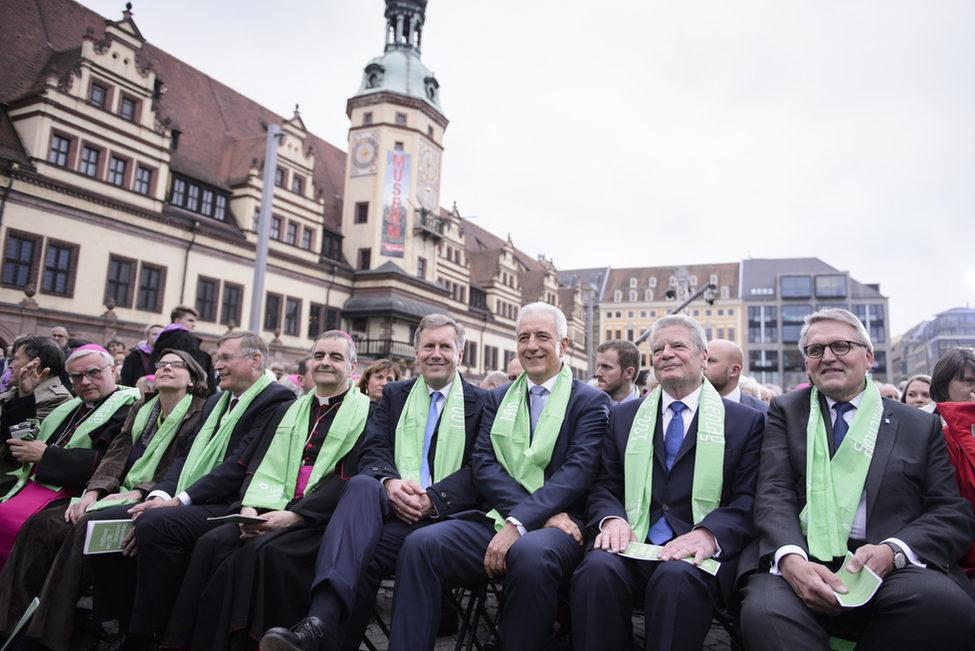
(511, 431)
(412, 426)
(210, 445)
(276, 478)
(834, 486)
(145, 466)
(80, 439)
(708, 460)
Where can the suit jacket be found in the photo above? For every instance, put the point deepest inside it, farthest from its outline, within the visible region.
(222, 484)
(451, 494)
(755, 403)
(910, 485)
(731, 523)
(569, 473)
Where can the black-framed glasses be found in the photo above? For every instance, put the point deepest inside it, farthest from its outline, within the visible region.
(838, 348)
(92, 374)
(175, 364)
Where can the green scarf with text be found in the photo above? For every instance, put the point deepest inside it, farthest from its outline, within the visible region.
(80, 439)
(210, 445)
(511, 431)
(276, 478)
(708, 460)
(412, 425)
(834, 486)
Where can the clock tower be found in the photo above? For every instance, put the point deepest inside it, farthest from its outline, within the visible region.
(392, 188)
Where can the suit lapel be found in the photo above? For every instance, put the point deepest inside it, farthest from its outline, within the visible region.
(659, 447)
(886, 434)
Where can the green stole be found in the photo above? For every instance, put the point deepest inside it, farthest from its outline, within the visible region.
(276, 478)
(80, 439)
(145, 466)
(525, 457)
(210, 444)
(834, 486)
(412, 425)
(708, 459)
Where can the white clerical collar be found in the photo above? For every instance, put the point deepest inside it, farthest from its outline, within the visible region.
(326, 401)
(691, 400)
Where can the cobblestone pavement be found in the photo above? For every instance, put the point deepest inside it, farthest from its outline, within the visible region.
(717, 639)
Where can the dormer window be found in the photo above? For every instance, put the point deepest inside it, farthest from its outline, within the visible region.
(374, 75)
(198, 198)
(279, 177)
(297, 184)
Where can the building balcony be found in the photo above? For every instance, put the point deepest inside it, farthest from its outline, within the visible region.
(384, 348)
(426, 223)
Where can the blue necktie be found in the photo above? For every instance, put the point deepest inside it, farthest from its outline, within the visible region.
(660, 532)
(538, 404)
(840, 427)
(428, 437)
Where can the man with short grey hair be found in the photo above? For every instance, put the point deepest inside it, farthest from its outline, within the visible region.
(678, 471)
(851, 480)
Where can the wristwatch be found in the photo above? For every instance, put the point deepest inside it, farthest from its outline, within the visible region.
(900, 558)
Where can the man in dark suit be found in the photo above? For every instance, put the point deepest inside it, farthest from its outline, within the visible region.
(536, 456)
(694, 433)
(203, 482)
(724, 370)
(414, 468)
(881, 473)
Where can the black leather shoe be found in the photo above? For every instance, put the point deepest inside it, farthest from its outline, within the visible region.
(308, 635)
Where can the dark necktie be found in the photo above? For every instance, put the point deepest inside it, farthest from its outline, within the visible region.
(840, 426)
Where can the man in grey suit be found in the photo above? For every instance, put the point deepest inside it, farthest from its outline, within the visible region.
(725, 362)
(846, 470)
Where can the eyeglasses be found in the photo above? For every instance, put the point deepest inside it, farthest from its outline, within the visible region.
(175, 364)
(226, 359)
(838, 348)
(92, 375)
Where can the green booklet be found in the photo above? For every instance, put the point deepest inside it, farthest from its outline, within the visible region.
(862, 585)
(106, 536)
(645, 552)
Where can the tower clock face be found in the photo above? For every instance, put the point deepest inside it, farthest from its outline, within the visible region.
(428, 181)
(365, 153)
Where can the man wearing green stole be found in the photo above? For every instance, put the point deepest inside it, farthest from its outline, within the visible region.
(536, 457)
(260, 572)
(205, 480)
(678, 471)
(846, 471)
(414, 471)
(71, 442)
(35, 384)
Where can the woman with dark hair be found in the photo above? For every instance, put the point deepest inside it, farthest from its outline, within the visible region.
(50, 543)
(917, 391)
(953, 389)
(379, 373)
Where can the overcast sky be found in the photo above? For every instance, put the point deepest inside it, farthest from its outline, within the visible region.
(655, 133)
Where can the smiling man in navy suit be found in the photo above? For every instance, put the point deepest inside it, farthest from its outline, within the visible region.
(678, 470)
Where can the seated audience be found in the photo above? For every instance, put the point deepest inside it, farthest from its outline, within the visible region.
(259, 575)
(35, 383)
(51, 542)
(137, 363)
